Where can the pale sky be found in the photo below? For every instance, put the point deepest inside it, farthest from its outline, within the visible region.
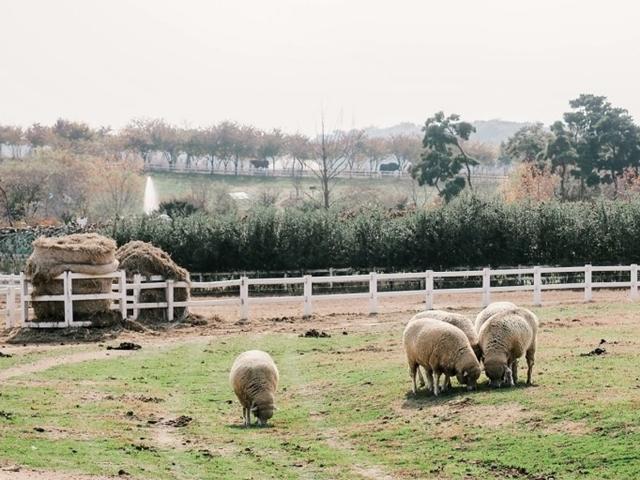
(279, 63)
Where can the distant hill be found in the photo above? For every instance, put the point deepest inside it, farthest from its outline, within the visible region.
(488, 131)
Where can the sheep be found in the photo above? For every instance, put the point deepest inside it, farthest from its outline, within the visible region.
(490, 310)
(457, 320)
(504, 338)
(439, 348)
(254, 378)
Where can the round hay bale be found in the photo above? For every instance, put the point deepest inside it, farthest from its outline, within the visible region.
(147, 260)
(79, 253)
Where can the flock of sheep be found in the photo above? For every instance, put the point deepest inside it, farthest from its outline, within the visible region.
(436, 343)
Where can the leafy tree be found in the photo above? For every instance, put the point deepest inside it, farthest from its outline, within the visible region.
(444, 157)
(606, 141)
(529, 144)
(562, 154)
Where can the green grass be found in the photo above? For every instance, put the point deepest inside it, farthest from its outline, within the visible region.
(178, 185)
(344, 409)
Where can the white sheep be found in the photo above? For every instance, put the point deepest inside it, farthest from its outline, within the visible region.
(457, 320)
(440, 348)
(254, 378)
(504, 338)
(490, 310)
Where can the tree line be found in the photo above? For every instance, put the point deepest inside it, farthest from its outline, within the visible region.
(594, 145)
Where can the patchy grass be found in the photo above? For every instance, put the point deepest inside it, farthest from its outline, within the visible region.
(345, 411)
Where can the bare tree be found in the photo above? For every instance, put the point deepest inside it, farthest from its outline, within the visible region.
(354, 148)
(298, 146)
(328, 160)
(405, 149)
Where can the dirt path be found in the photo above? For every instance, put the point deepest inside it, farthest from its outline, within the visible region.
(17, 473)
(51, 362)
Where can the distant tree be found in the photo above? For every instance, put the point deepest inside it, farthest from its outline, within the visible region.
(606, 141)
(328, 160)
(562, 154)
(529, 144)
(354, 144)
(444, 157)
(13, 138)
(375, 150)
(298, 146)
(270, 146)
(405, 149)
(484, 153)
(38, 136)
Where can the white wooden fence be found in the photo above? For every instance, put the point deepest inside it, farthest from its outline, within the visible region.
(16, 290)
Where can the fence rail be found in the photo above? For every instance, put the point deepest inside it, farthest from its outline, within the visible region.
(16, 291)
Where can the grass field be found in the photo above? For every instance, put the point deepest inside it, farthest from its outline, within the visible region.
(345, 407)
(390, 189)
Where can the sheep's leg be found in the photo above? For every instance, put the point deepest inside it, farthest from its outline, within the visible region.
(447, 383)
(413, 371)
(429, 375)
(436, 383)
(508, 376)
(514, 370)
(421, 376)
(245, 418)
(531, 354)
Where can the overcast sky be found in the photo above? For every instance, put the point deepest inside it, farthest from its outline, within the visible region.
(278, 63)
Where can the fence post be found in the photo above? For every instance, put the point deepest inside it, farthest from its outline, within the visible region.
(373, 293)
(634, 282)
(24, 293)
(331, 275)
(137, 280)
(587, 283)
(428, 287)
(308, 290)
(123, 294)
(169, 296)
(486, 287)
(244, 298)
(68, 302)
(11, 306)
(537, 286)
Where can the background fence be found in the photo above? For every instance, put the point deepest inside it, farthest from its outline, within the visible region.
(16, 290)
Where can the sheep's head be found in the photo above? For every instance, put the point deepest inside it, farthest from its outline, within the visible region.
(497, 371)
(263, 408)
(469, 376)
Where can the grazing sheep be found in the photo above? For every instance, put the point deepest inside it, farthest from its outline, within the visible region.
(457, 320)
(440, 348)
(254, 378)
(492, 309)
(504, 338)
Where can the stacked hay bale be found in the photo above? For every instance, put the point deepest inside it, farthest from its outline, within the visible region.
(147, 260)
(87, 253)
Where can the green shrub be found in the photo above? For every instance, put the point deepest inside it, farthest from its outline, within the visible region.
(468, 232)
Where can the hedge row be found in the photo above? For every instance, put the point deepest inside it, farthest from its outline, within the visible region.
(466, 233)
